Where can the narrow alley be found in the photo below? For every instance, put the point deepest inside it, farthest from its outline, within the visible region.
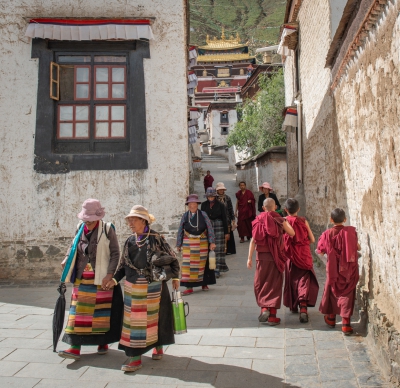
(225, 347)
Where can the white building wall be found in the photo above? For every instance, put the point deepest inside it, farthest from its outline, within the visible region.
(39, 210)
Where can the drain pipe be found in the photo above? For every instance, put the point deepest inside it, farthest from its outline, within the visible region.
(300, 196)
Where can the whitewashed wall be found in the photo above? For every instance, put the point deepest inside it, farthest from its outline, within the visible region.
(215, 128)
(38, 210)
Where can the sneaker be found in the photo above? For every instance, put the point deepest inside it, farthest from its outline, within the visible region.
(205, 288)
(73, 354)
(102, 349)
(157, 355)
(129, 368)
(188, 291)
(264, 315)
(273, 321)
(217, 274)
(303, 318)
(347, 329)
(330, 320)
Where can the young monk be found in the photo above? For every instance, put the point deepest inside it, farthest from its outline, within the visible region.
(268, 230)
(245, 211)
(301, 285)
(340, 244)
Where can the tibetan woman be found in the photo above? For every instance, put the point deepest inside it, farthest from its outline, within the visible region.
(147, 262)
(195, 238)
(95, 315)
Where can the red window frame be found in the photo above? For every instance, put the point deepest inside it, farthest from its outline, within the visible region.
(109, 82)
(81, 83)
(73, 122)
(110, 121)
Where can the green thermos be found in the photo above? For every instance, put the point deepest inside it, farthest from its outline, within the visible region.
(178, 310)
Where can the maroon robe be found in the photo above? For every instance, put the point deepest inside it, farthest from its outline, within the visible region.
(270, 261)
(208, 181)
(340, 245)
(301, 284)
(246, 212)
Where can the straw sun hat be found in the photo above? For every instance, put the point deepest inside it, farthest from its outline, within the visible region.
(141, 212)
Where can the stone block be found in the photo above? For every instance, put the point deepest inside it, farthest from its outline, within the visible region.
(10, 368)
(199, 351)
(219, 364)
(337, 374)
(251, 379)
(257, 353)
(228, 341)
(18, 382)
(301, 370)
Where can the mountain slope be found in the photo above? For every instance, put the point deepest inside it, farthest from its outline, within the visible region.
(256, 21)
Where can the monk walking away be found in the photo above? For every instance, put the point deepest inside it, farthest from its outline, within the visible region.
(301, 284)
(245, 211)
(268, 230)
(340, 244)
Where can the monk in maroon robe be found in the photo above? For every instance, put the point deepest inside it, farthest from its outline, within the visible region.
(208, 181)
(340, 244)
(245, 211)
(301, 284)
(268, 230)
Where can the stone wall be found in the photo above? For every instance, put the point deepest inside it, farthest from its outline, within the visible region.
(39, 210)
(270, 166)
(351, 158)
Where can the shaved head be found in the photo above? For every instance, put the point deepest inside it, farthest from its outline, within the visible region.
(269, 204)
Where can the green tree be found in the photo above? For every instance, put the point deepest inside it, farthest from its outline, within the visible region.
(261, 118)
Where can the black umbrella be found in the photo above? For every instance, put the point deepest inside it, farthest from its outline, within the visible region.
(59, 314)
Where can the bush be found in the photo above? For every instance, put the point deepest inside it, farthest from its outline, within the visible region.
(260, 126)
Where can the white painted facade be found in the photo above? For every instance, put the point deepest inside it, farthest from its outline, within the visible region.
(39, 210)
(217, 135)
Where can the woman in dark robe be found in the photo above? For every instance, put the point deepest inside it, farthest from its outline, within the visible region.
(267, 193)
(230, 214)
(216, 212)
(195, 238)
(148, 320)
(95, 316)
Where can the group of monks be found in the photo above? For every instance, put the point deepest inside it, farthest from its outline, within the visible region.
(283, 247)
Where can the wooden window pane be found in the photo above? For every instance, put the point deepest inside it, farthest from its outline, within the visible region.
(101, 113)
(118, 91)
(102, 74)
(82, 74)
(73, 58)
(117, 129)
(102, 91)
(118, 74)
(102, 129)
(82, 113)
(82, 130)
(117, 113)
(66, 130)
(66, 113)
(82, 91)
(109, 58)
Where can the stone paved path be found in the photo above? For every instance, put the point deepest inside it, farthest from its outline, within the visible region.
(225, 346)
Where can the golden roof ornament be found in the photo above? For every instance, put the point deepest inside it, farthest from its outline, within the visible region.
(223, 44)
(223, 33)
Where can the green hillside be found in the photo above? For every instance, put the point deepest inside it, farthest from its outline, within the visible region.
(257, 21)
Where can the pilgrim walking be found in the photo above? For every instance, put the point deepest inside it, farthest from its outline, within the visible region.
(267, 192)
(230, 214)
(245, 211)
(195, 238)
(146, 261)
(301, 284)
(216, 212)
(268, 230)
(95, 315)
(340, 244)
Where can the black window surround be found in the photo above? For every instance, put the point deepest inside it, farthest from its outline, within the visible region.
(50, 156)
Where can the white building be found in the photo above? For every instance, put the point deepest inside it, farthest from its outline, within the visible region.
(86, 112)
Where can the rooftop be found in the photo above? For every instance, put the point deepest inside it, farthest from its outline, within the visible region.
(223, 43)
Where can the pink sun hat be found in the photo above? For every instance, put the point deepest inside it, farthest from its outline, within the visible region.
(266, 185)
(91, 210)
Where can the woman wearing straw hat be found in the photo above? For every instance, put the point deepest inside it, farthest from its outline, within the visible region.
(230, 214)
(95, 316)
(267, 193)
(216, 212)
(145, 260)
(195, 238)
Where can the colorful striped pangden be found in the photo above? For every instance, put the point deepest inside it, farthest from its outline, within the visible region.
(195, 252)
(90, 306)
(141, 308)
